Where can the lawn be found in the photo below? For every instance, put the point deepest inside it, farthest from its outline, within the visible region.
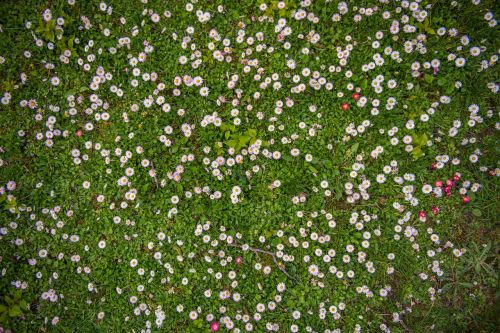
(249, 165)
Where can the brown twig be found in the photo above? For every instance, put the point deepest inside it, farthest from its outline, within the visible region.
(407, 329)
(253, 249)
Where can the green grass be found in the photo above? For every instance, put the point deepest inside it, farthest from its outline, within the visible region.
(295, 213)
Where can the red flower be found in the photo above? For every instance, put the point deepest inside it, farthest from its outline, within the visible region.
(434, 166)
(435, 210)
(356, 96)
(456, 177)
(465, 199)
(345, 106)
(422, 214)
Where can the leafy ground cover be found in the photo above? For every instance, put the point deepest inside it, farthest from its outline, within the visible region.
(267, 166)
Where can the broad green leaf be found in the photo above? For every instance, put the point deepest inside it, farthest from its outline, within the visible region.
(354, 148)
(417, 153)
(244, 139)
(428, 78)
(328, 163)
(313, 169)
(251, 132)
(14, 311)
(232, 143)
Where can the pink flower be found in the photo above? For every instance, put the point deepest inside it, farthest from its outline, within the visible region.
(214, 326)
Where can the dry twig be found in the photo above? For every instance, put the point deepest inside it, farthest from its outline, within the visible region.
(256, 250)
